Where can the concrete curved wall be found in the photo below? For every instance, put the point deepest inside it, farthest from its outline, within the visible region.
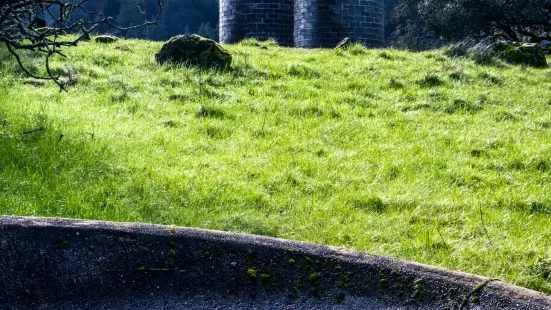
(76, 264)
(261, 19)
(324, 23)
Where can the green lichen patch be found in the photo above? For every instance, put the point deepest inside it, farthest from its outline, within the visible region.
(206, 254)
(62, 243)
(474, 295)
(340, 297)
(292, 262)
(315, 278)
(344, 279)
(251, 272)
(418, 287)
(384, 283)
(265, 278)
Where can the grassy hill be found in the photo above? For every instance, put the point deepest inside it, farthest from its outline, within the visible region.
(412, 155)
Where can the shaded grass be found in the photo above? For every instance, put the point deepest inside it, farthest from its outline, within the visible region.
(384, 151)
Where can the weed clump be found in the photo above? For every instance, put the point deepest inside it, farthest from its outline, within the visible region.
(460, 105)
(430, 80)
(372, 203)
(302, 71)
(263, 44)
(395, 84)
(206, 111)
(457, 76)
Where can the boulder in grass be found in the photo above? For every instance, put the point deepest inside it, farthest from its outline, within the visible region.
(106, 39)
(529, 54)
(194, 50)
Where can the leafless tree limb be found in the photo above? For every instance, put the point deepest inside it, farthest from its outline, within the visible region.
(23, 28)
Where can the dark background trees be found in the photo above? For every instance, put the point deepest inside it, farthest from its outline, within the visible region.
(40, 26)
(414, 24)
(179, 16)
(416, 21)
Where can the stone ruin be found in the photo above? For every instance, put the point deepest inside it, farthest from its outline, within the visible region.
(303, 23)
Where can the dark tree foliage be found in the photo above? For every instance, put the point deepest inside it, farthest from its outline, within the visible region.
(451, 20)
(179, 17)
(41, 26)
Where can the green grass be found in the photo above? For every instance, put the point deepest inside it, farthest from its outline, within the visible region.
(386, 151)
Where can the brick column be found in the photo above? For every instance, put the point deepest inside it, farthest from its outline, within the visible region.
(261, 19)
(323, 23)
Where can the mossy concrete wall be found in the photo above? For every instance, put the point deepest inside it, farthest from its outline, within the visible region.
(69, 264)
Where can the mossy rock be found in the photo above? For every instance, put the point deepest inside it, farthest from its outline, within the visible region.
(106, 39)
(194, 50)
(529, 54)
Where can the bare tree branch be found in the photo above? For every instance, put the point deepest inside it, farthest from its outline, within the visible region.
(22, 28)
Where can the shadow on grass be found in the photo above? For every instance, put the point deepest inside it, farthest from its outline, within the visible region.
(46, 173)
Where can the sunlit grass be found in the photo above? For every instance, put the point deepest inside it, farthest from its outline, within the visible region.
(386, 151)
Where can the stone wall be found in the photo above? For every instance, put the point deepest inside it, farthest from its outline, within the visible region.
(261, 19)
(323, 23)
(303, 23)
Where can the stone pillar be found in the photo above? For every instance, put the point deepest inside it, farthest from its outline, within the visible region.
(324, 23)
(261, 19)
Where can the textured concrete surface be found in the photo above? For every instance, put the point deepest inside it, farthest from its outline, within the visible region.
(75, 264)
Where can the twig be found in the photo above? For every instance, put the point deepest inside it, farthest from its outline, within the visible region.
(484, 226)
(28, 132)
(265, 117)
(442, 238)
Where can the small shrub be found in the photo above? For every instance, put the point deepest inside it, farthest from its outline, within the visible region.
(308, 111)
(483, 56)
(457, 76)
(217, 132)
(542, 269)
(395, 84)
(461, 105)
(205, 111)
(431, 80)
(356, 49)
(490, 78)
(373, 203)
(385, 55)
(302, 71)
(264, 44)
(457, 50)
(542, 165)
